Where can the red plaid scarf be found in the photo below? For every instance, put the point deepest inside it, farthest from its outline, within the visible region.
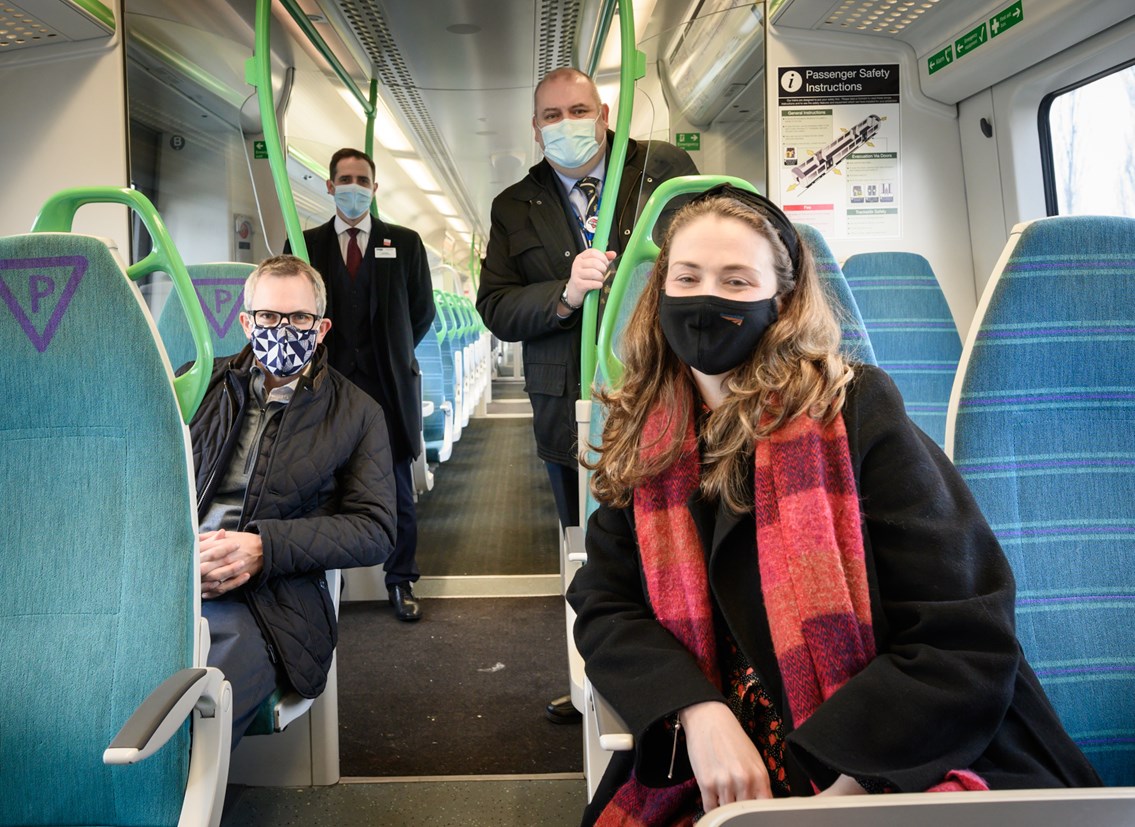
(813, 579)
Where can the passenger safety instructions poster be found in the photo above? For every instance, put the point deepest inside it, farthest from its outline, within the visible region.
(839, 148)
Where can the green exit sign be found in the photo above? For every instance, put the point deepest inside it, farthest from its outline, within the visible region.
(260, 149)
(687, 140)
(1007, 18)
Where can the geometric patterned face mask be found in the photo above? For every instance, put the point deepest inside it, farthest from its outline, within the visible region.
(283, 350)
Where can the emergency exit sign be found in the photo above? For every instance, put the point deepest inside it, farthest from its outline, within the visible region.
(259, 149)
(688, 140)
(1007, 18)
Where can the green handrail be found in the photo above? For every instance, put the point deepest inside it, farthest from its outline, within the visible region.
(606, 14)
(441, 336)
(58, 215)
(633, 68)
(316, 40)
(639, 249)
(98, 11)
(470, 315)
(258, 73)
(210, 83)
(368, 147)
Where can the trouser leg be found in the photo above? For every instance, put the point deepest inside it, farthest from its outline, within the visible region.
(402, 565)
(565, 488)
(239, 650)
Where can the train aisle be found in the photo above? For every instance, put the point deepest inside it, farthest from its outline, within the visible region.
(441, 722)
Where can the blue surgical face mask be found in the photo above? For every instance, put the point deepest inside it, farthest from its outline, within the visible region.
(353, 200)
(283, 350)
(570, 143)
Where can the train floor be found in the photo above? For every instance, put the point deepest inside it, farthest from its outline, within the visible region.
(441, 721)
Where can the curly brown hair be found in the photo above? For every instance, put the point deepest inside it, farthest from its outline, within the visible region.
(797, 368)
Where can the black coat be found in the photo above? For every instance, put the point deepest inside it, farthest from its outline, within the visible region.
(949, 688)
(402, 310)
(321, 496)
(532, 242)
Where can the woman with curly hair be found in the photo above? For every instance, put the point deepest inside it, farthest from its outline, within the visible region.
(789, 588)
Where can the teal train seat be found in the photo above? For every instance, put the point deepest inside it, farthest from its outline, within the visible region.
(856, 344)
(220, 290)
(451, 355)
(102, 644)
(1042, 426)
(912, 331)
(437, 428)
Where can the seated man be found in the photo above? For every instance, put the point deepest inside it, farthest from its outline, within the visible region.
(293, 478)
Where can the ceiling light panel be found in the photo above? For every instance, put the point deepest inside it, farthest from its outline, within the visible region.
(877, 17)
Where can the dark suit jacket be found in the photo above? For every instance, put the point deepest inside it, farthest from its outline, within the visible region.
(402, 310)
(533, 240)
(949, 687)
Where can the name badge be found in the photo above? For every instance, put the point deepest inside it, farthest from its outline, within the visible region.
(386, 252)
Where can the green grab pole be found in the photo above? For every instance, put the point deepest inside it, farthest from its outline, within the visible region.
(368, 146)
(259, 74)
(633, 67)
(316, 40)
(58, 215)
(641, 248)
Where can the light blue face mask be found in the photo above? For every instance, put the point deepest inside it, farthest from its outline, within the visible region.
(353, 200)
(570, 143)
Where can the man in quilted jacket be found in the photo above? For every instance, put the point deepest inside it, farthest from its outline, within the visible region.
(294, 478)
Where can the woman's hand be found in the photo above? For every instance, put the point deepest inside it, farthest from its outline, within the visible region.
(726, 763)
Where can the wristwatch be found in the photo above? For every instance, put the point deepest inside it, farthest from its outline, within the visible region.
(564, 301)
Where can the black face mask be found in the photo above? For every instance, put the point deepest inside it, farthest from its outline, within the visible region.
(714, 335)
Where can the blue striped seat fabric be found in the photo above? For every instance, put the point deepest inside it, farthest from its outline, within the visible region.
(1044, 433)
(912, 331)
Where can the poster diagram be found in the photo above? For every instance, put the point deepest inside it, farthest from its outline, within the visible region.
(840, 148)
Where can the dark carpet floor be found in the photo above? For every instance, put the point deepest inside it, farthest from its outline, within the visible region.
(460, 692)
(491, 510)
(509, 389)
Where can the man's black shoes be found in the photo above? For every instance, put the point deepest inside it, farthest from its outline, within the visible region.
(561, 711)
(406, 606)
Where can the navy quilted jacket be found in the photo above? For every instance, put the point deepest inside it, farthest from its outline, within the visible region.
(321, 496)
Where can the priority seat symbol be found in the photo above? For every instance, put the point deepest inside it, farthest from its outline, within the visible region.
(38, 291)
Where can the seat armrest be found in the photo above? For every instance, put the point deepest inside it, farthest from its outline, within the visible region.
(614, 734)
(163, 712)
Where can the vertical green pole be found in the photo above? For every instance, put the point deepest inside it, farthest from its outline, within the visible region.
(633, 67)
(258, 73)
(369, 145)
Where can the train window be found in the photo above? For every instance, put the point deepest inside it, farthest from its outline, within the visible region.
(1088, 141)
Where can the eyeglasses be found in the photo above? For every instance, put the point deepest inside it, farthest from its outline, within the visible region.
(299, 319)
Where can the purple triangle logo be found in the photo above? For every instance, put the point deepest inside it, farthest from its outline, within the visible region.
(221, 300)
(38, 291)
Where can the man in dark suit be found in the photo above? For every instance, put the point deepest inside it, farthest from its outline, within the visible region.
(539, 263)
(381, 297)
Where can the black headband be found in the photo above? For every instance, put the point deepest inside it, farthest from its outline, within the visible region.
(769, 210)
